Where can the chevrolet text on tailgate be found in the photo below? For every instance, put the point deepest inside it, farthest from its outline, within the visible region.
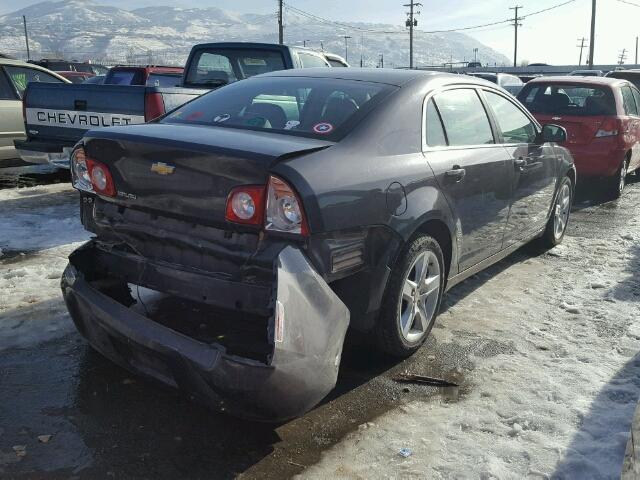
(238, 237)
(56, 116)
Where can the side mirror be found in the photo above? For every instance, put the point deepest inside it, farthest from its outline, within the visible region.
(553, 133)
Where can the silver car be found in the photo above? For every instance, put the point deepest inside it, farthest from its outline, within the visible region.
(14, 77)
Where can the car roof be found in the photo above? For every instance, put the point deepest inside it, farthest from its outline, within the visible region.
(604, 81)
(19, 63)
(390, 76)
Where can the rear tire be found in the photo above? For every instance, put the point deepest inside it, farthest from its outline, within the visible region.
(618, 181)
(412, 299)
(557, 223)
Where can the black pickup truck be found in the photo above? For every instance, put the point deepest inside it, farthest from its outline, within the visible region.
(58, 115)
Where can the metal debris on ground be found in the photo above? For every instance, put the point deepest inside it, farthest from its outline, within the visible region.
(405, 452)
(44, 438)
(424, 380)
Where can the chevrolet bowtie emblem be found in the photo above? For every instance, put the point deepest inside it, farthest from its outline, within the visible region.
(162, 168)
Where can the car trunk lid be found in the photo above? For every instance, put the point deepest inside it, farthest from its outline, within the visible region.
(187, 171)
(581, 130)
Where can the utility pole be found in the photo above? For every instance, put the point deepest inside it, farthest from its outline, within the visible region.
(592, 40)
(361, 49)
(475, 55)
(622, 57)
(381, 62)
(304, 43)
(636, 50)
(26, 36)
(322, 45)
(346, 46)
(581, 47)
(411, 23)
(280, 24)
(516, 24)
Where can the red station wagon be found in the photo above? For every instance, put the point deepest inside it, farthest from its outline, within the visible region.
(602, 119)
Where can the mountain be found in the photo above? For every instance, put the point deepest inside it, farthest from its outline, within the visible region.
(86, 30)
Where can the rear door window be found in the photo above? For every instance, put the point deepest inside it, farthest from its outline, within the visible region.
(630, 107)
(568, 99)
(434, 129)
(464, 118)
(514, 124)
(22, 76)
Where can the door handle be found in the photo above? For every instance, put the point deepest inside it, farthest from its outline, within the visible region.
(520, 163)
(456, 173)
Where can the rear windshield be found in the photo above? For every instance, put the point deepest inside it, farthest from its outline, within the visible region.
(222, 66)
(124, 77)
(313, 107)
(164, 80)
(568, 99)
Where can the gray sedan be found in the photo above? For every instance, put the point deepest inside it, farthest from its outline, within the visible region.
(268, 216)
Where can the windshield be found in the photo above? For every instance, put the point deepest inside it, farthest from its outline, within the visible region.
(568, 99)
(225, 65)
(633, 77)
(124, 77)
(164, 80)
(313, 107)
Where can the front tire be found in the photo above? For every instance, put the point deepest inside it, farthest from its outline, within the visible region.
(557, 223)
(412, 299)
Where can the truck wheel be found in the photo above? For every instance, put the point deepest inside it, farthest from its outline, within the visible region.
(618, 181)
(557, 223)
(412, 299)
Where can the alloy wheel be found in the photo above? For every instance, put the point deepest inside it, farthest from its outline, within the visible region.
(562, 209)
(420, 292)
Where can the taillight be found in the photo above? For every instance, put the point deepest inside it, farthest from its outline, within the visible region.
(246, 205)
(101, 178)
(284, 212)
(153, 106)
(277, 207)
(610, 127)
(80, 177)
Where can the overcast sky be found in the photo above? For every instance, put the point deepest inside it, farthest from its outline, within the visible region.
(548, 37)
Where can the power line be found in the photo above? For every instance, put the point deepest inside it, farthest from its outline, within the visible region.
(629, 3)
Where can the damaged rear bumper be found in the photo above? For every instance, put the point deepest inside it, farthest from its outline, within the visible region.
(306, 330)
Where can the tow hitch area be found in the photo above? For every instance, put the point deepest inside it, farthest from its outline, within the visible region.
(268, 362)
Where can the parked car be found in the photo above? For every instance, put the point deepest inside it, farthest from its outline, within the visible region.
(265, 221)
(510, 83)
(81, 107)
(601, 116)
(587, 73)
(76, 77)
(14, 78)
(57, 64)
(149, 75)
(335, 60)
(631, 75)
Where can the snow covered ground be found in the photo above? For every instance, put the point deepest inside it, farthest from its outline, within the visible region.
(550, 385)
(39, 227)
(558, 403)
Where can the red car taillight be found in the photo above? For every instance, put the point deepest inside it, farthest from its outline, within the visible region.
(610, 127)
(101, 179)
(153, 106)
(275, 206)
(246, 205)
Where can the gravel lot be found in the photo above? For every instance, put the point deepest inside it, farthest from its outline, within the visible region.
(544, 346)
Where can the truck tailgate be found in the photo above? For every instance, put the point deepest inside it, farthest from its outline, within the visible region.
(64, 112)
